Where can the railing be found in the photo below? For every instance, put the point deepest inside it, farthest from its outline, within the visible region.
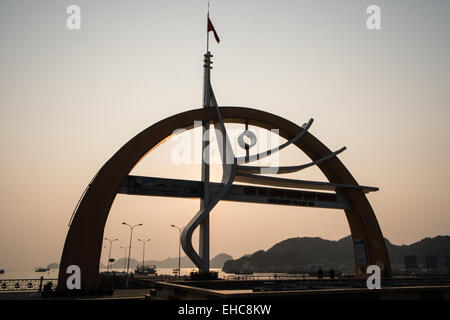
(268, 277)
(160, 277)
(8, 285)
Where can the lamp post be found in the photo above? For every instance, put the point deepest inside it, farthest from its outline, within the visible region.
(179, 250)
(129, 249)
(143, 252)
(124, 258)
(109, 256)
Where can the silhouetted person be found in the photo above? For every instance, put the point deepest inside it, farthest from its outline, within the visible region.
(332, 274)
(320, 274)
(48, 287)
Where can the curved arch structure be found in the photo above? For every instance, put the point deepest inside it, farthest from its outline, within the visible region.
(84, 240)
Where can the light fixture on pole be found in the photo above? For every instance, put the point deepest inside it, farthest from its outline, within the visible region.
(129, 249)
(109, 255)
(143, 252)
(179, 249)
(124, 258)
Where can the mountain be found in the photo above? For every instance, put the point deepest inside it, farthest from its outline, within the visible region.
(219, 260)
(55, 265)
(308, 254)
(216, 262)
(437, 246)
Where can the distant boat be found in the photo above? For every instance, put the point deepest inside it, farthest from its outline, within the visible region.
(41, 269)
(175, 270)
(145, 270)
(243, 272)
(2, 271)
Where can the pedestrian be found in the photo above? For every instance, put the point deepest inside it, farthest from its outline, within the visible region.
(332, 274)
(320, 274)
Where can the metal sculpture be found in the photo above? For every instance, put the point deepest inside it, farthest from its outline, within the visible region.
(84, 240)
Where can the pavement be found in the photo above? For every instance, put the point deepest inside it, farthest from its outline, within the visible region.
(123, 294)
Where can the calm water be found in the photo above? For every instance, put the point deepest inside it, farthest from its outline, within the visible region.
(53, 273)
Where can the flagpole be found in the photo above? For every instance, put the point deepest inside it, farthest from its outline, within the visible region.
(207, 31)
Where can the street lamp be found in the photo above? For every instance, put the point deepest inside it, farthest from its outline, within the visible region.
(131, 237)
(143, 252)
(124, 258)
(179, 250)
(109, 256)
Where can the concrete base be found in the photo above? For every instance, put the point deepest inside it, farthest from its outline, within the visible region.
(243, 290)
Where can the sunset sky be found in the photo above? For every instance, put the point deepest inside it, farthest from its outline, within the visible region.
(69, 99)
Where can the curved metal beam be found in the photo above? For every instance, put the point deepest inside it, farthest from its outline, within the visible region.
(186, 235)
(287, 169)
(267, 153)
(228, 175)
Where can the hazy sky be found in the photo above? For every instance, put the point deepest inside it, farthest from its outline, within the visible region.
(69, 99)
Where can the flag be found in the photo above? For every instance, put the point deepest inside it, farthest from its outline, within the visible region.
(211, 28)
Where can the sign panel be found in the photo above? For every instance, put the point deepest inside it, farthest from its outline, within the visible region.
(360, 250)
(149, 186)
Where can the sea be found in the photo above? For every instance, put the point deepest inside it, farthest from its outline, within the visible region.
(53, 273)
